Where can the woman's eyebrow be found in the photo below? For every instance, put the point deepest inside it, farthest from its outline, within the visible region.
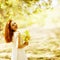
(14, 23)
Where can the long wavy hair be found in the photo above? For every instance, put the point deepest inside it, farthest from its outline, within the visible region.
(8, 32)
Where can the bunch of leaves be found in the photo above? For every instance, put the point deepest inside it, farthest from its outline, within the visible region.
(26, 36)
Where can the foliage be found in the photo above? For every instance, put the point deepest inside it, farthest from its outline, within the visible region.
(22, 10)
(26, 36)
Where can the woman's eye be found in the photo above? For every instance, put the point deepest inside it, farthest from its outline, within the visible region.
(12, 24)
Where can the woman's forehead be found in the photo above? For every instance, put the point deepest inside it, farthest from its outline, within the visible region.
(13, 22)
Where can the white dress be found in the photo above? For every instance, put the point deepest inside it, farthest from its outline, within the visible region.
(17, 54)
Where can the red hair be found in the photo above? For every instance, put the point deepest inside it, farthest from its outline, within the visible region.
(8, 32)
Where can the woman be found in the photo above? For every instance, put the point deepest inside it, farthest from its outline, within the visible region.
(12, 35)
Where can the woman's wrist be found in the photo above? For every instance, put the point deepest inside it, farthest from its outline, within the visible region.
(26, 43)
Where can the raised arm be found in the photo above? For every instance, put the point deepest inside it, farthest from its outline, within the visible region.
(19, 42)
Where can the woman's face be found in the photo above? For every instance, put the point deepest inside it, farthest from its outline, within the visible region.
(13, 26)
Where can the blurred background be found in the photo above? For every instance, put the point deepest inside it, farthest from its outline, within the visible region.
(41, 18)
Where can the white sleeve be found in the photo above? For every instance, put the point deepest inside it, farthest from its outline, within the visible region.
(19, 36)
(15, 40)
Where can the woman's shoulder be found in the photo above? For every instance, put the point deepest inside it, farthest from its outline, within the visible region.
(17, 32)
